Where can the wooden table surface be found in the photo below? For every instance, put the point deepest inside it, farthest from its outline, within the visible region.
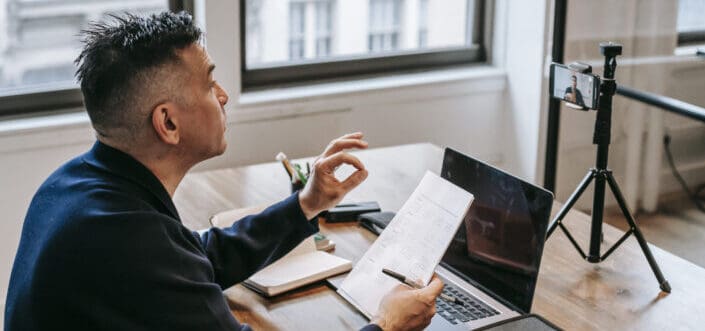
(620, 293)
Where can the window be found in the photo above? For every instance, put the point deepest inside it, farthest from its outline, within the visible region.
(254, 30)
(324, 10)
(306, 41)
(315, 40)
(691, 22)
(297, 21)
(39, 40)
(385, 27)
(423, 23)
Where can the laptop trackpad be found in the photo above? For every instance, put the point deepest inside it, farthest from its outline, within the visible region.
(438, 323)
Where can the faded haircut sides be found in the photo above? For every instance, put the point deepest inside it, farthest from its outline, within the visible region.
(123, 65)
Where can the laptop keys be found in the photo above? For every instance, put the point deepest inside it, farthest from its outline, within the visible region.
(471, 310)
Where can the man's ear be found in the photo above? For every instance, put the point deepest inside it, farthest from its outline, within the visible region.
(165, 122)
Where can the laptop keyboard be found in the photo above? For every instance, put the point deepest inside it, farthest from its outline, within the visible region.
(472, 309)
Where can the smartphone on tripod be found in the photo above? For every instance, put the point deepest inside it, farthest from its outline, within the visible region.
(575, 85)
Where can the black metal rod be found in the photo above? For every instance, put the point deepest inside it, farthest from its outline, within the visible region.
(619, 242)
(554, 105)
(570, 202)
(573, 241)
(663, 102)
(665, 286)
(598, 207)
(603, 125)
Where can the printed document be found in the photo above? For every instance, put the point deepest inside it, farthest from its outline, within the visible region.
(412, 244)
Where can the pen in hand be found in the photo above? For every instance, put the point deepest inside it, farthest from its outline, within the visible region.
(415, 285)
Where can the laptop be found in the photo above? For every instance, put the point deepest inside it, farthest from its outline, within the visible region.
(493, 261)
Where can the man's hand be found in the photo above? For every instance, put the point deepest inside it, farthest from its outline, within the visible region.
(405, 308)
(323, 191)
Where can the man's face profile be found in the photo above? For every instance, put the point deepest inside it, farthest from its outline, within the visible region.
(204, 113)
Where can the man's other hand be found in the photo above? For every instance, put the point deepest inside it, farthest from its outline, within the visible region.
(323, 191)
(405, 308)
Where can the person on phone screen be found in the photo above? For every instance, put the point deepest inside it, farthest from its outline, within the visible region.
(572, 94)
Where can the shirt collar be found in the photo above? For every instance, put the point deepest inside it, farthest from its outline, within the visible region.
(122, 164)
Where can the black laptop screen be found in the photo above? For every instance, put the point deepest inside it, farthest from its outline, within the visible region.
(500, 241)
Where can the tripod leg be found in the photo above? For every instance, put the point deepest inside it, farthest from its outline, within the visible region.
(664, 285)
(571, 201)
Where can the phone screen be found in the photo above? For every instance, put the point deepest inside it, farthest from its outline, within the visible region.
(574, 87)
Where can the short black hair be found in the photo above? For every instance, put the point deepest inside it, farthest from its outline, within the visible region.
(119, 53)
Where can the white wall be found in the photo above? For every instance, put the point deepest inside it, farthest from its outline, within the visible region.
(525, 52)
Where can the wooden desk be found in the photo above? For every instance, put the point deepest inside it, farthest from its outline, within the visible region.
(618, 294)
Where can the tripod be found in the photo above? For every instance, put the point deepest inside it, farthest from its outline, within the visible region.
(601, 175)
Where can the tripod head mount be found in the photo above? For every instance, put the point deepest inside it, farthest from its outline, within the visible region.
(610, 49)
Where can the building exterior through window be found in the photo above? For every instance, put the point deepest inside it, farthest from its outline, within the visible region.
(297, 30)
(324, 31)
(691, 22)
(254, 29)
(423, 23)
(289, 32)
(39, 40)
(385, 25)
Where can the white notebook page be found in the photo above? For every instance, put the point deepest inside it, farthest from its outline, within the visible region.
(412, 244)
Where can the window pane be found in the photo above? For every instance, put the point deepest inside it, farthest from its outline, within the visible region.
(292, 32)
(691, 15)
(39, 40)
(254, 30)
(297, 22)
(423, 23)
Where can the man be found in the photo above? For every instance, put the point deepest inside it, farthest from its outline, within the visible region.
(102, 245)
(572, 94)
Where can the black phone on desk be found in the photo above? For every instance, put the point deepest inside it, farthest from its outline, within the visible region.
(376, 221)
(349, 212)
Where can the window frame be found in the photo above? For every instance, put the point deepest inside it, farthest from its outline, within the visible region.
(342, 68)
(54, 98)
(690, 38)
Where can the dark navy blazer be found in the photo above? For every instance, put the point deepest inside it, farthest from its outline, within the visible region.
(103, 248)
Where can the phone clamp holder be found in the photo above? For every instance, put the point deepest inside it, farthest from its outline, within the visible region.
(602, 175)
(580, 67)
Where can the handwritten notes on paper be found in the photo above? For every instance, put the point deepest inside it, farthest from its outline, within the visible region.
(412, 244)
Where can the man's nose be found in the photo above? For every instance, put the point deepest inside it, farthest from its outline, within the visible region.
(222, 96)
